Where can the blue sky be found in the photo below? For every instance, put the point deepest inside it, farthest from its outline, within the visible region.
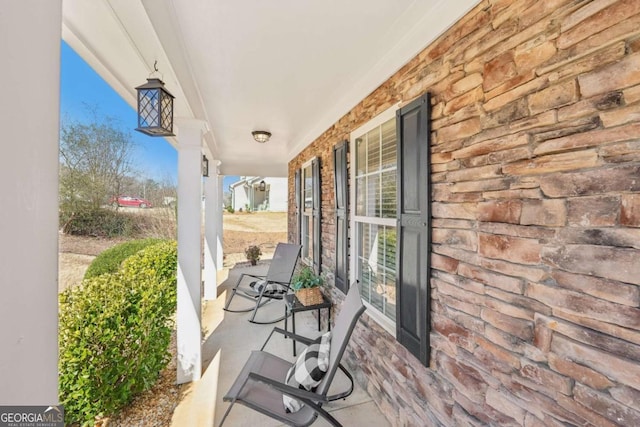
(81, 86)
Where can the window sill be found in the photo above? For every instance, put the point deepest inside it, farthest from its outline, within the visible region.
(382, 320)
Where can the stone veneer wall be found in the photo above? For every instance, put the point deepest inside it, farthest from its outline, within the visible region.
(536, 220)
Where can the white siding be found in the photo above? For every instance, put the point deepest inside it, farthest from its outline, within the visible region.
(277, 194)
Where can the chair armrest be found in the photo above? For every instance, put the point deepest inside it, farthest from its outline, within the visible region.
(299, 338)
(287, 389)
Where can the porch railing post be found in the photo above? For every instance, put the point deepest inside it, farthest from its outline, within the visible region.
(219, 213)
(190, 133)
(212, 227)
(29, 112)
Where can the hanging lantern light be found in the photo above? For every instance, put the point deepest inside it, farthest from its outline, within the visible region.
(155, 108)
(205, 166)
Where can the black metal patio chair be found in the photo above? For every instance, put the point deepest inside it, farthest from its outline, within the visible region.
(267, 288)
(261, 383)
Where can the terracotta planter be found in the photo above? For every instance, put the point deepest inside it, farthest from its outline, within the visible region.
(309, 296)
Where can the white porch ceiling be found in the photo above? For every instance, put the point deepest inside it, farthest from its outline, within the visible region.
(291, 67)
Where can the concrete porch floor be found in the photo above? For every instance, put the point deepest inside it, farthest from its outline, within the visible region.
(228, 341)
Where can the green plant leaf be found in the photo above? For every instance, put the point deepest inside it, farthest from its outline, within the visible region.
(114, 332)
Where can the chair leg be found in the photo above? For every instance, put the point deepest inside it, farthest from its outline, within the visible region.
(224, 417)
(259, 304)
(324, 414)
(255, 309)
(234, 292)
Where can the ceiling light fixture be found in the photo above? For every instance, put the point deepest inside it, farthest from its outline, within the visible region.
(261, 136)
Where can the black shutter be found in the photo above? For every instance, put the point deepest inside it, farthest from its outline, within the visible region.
(413, 299)
(341, 205)
(298, 199)
(317, 203)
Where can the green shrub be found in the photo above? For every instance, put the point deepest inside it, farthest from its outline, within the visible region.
(109, 260)
(116, 223)
(114, 331)
(99, 223)
(230, 209)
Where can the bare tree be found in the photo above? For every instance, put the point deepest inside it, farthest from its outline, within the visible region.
(95, 158)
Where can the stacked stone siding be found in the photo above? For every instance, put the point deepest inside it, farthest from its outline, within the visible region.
(536, 220)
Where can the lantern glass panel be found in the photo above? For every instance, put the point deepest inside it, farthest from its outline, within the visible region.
(148, 108)
(167, 111)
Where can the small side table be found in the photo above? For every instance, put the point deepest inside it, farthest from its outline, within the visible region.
(293, 305)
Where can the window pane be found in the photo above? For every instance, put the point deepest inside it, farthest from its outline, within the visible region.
(389, 267)
(372, 200)
(390, 289)
(376, 172)
(361, 156)
(388, 194)
(376, 266)
(310, 239)
(306, 236)
(362, 267)
(340, 249)
(360, 196)
(388, 144)
(308, 188)
(390, 244)
(373, 151)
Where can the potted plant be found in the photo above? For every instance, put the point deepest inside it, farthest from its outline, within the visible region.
(306, 284)
(253, 254)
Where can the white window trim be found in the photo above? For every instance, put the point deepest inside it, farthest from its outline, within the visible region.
(377, 316)
(389, 222)
(382, 320)
(385, 116)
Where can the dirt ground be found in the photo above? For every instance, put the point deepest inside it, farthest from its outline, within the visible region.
(264, 229)
(75, 253)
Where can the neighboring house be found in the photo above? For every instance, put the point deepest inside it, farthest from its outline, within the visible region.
(486, 197)
(259, 193)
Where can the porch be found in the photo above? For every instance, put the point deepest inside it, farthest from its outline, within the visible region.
(227, 343)
(528, 275)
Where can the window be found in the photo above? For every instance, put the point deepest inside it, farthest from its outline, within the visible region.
(308, 212)
(374, 147)
(391, 222)
(341, 205)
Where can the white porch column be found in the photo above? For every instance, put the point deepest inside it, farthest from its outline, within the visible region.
(212, 227)
(190, 134)
(220, 212)
(30, 32)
